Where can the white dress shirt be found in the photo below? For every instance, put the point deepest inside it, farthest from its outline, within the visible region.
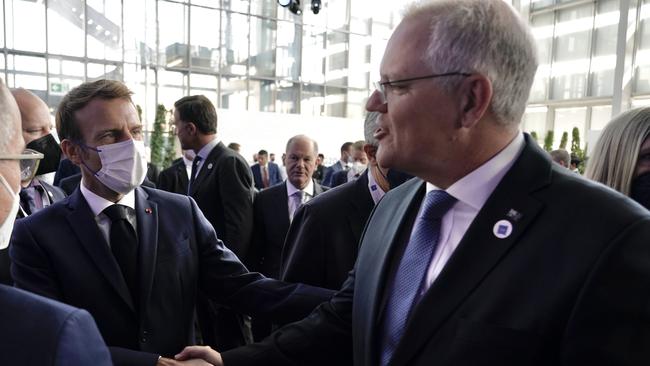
(203, 153)
(99, 204)
(375, 189)
(308, 194)
(471, 191)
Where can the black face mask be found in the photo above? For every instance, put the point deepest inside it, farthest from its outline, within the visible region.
(51, 151)
(641, 190)
(395, 178)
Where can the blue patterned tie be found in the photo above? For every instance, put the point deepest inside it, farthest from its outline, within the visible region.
(412, 270)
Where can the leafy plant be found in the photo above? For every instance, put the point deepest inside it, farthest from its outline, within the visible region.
(157, 142)
(564, 140)
(548, 141)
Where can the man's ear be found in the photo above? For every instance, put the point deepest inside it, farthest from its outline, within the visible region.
(191, 128)
(72, 151)
(476, 96)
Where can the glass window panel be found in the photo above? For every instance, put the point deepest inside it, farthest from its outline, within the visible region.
(202, 84)
(313, 54)
(565, 120)
(208, 3)
(105, 34)
(236, 5)
(360, 19)
(312, 100)
(262, 47)
(359, 62)
(142, 83)
(267, 8)
(65, 27)
(139, 32)
(337, 60)
(60, 86)
(335, 101)
(234, 93)
(337, 14)
(356, 104)
(234, 43)
(538, 4)
(22, 34)
(288, 50)
(288, 97)
(66, 67)
(27, 63)
(173, 34)
(604, 55)
(535, 121)
(261, 95)
(204, 38)
(308, 17)
(102, 71)
(572, 50)
(2, 28)
(600, 116)
(542, 28)
(642, 59)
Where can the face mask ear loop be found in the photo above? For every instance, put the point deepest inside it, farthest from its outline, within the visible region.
(84, 146)
(11, 193)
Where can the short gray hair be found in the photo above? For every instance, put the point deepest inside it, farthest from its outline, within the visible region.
(561, 155)
(486, 37)
(369, 127)
(302, 137)
(613, 161)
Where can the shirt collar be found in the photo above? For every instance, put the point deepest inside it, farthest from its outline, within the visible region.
(207, 148)
(309, 189)
(99, 204)
(475, 188)
(375, 189)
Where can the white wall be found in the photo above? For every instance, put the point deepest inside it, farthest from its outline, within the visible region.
(270, 131)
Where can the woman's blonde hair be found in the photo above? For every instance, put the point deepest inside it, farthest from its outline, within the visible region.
(615, 155)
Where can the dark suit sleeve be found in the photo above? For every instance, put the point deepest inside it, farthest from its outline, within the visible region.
(165, 181)
(256, 251)
(30, 268)
(223, 278)
(237, 199)
(303, 255)
(327, 178)
(323, 338)
(80, 343)
(609, 325)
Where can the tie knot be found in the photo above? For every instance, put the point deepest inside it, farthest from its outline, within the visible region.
(299, 194)
(436, 204)
(197, 160)
(116, 212)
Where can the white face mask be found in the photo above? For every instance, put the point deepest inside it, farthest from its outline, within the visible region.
(124, 165)
(356, 170)
(8, 225)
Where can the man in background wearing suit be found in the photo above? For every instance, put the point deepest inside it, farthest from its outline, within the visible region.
(134, 257)
(474, 263)
(323, 240)
(35, 330)
(176, 177)
(359, 163)
(222, 185)
(342, 164)
(265, 173)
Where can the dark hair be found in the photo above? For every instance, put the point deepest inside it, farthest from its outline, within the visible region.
(79, 97)
(321, 156)
(346, 146)
(262, 152)
(199, 110)
(234, 146)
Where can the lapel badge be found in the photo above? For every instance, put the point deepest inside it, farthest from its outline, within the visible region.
(502, 229)
(209, 166)
(148, 210)
(514, 215)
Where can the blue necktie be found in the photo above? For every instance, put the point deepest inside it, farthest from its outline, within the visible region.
(195, 168)
(412, 270)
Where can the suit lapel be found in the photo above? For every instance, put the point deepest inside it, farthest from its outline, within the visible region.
(281, 201)
(146, 213)
(372, 266)
(463, 272)
(363, 204)
(82, 222)
(206, 167)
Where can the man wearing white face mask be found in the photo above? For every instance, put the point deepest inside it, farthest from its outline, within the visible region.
(35, 330)
(133, 256)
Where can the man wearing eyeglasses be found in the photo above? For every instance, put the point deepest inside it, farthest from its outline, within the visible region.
(35, 330)
(472, 263)
(134, 257)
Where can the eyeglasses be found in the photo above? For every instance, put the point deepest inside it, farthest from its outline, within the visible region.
(28, 160)
(382, 86)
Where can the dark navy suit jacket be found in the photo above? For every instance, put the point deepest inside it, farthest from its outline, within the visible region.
(274, 175)
(60, 253)
(39, 331)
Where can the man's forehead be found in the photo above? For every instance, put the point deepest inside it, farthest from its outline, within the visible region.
(406, 47)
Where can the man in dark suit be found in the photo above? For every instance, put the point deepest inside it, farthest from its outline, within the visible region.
(359, 160)
(342, 164)
(133, 257)
(35, 330)
(319, 172)
(265, 173)
(222, 185)
(474, 263)
(274, 207)
(176, 178)
(323, 240)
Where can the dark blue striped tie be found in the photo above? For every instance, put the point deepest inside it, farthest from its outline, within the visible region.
(412, 270)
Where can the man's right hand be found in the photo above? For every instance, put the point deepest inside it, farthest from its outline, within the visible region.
(196, 361)
(200, 352)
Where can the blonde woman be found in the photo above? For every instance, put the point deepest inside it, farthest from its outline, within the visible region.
(621, 157)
